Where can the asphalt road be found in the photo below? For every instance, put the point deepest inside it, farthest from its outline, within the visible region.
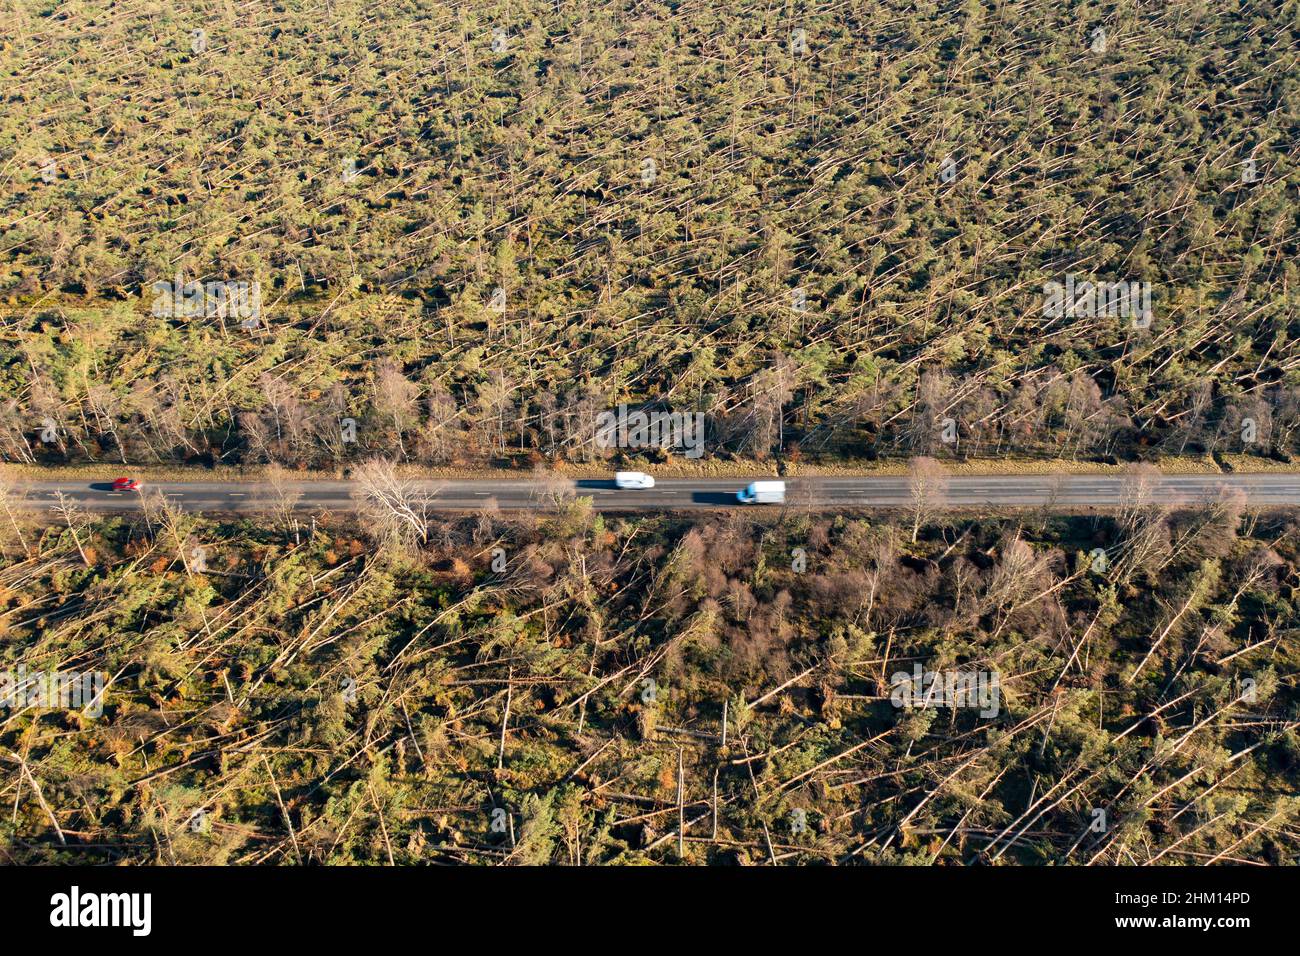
(1064, 492)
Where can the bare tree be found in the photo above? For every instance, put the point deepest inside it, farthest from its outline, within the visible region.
(173, 524)
(75, 519)
(933, 395)
(395, 401)
(282, 498)
(553, 488)
(325, 423)
(492, 407)
(107, 407)
(443, 434)
(1143, 522)
(927, 483)
(770, 390)
(580, 414)
(396, 509)
(1137, 493)
(8, 499)
(13, 433)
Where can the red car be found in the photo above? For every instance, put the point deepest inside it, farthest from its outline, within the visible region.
(125, 484)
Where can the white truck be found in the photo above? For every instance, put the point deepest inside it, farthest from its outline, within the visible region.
(762, 493)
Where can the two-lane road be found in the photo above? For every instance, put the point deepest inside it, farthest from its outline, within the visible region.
(968, 492)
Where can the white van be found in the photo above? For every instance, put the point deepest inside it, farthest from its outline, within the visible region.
(762, 493)
(633, 479)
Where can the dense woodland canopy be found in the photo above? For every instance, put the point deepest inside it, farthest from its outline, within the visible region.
(828, 225)
(303, 694)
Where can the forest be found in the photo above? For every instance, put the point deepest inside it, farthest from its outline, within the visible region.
(390, 239)
(832, 227)
(574, 688)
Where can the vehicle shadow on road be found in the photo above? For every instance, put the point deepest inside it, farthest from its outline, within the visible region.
(101, 486)
(593, 483)
(713, 497)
